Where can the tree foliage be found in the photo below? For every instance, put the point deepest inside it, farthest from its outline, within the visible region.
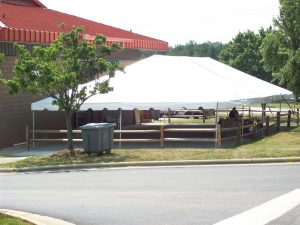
(59, 70)
(207, 49)
(281, 48)
(243, 53)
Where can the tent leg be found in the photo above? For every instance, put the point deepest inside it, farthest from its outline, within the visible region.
(286, 102)
(120, 127)
(243, 124)
(76, 119)
(33, 129)
(216, 125)
(280, 106)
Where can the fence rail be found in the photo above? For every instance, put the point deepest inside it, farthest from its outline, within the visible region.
(210, 113)
(265, 127)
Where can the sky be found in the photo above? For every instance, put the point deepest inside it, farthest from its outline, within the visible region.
(176, 21)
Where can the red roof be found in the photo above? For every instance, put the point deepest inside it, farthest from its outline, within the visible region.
(39, 24)
(32, 3)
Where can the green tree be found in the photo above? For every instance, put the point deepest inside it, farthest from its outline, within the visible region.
(59, 69)
(281, 48)
(207, 49)
(243, 53)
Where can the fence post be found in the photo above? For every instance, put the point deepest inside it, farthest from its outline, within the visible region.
(278, 121)
(27, 137)
(162, 137)
(219, 136)
(289, 119)
(254, 131)
(267, 125)
(249, 113)
(204, 115)
(238, 134)
(297, 117)
(263, 107)
(169, 115)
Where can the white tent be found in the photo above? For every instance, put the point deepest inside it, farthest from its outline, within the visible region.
(162, 82)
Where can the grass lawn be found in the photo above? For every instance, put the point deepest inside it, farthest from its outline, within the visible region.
(291, 102)
(9, 220)
(281, 103)
(284, 144)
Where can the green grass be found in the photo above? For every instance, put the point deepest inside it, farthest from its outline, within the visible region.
(284, 144)
(9, 220)
(277, 103)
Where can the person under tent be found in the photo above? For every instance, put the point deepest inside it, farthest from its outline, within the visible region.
(234, 114)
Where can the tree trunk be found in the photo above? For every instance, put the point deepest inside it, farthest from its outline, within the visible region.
(69, 133)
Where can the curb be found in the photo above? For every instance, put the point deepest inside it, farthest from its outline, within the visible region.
(34, 218)
(152, 163)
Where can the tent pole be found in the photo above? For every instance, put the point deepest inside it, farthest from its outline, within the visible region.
(216, 124)
(33, 129)
(76, 119)
(280, 106)
(120, 126)
(286, 102)
(243, 125)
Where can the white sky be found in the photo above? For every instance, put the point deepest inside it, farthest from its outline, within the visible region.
(176, 21)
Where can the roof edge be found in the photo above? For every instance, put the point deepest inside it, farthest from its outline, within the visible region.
(46, 37)
(37, 3)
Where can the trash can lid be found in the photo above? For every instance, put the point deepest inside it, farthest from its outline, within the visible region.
(90, 126)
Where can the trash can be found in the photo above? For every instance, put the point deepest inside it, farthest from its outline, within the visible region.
(97, 137)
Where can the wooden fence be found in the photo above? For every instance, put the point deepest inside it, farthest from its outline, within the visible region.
(210, 113)
(217, 134)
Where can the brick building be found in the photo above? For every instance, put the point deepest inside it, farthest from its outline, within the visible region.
(31, 23)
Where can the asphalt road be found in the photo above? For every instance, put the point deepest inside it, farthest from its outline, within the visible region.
(201, 195)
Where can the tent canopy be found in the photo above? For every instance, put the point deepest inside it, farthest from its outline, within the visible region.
(162, 82)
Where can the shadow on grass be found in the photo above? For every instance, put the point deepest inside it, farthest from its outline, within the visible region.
(284, 129)
(293, 129)
(63, 158)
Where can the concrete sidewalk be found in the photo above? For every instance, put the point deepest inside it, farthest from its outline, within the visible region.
(16, 153)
